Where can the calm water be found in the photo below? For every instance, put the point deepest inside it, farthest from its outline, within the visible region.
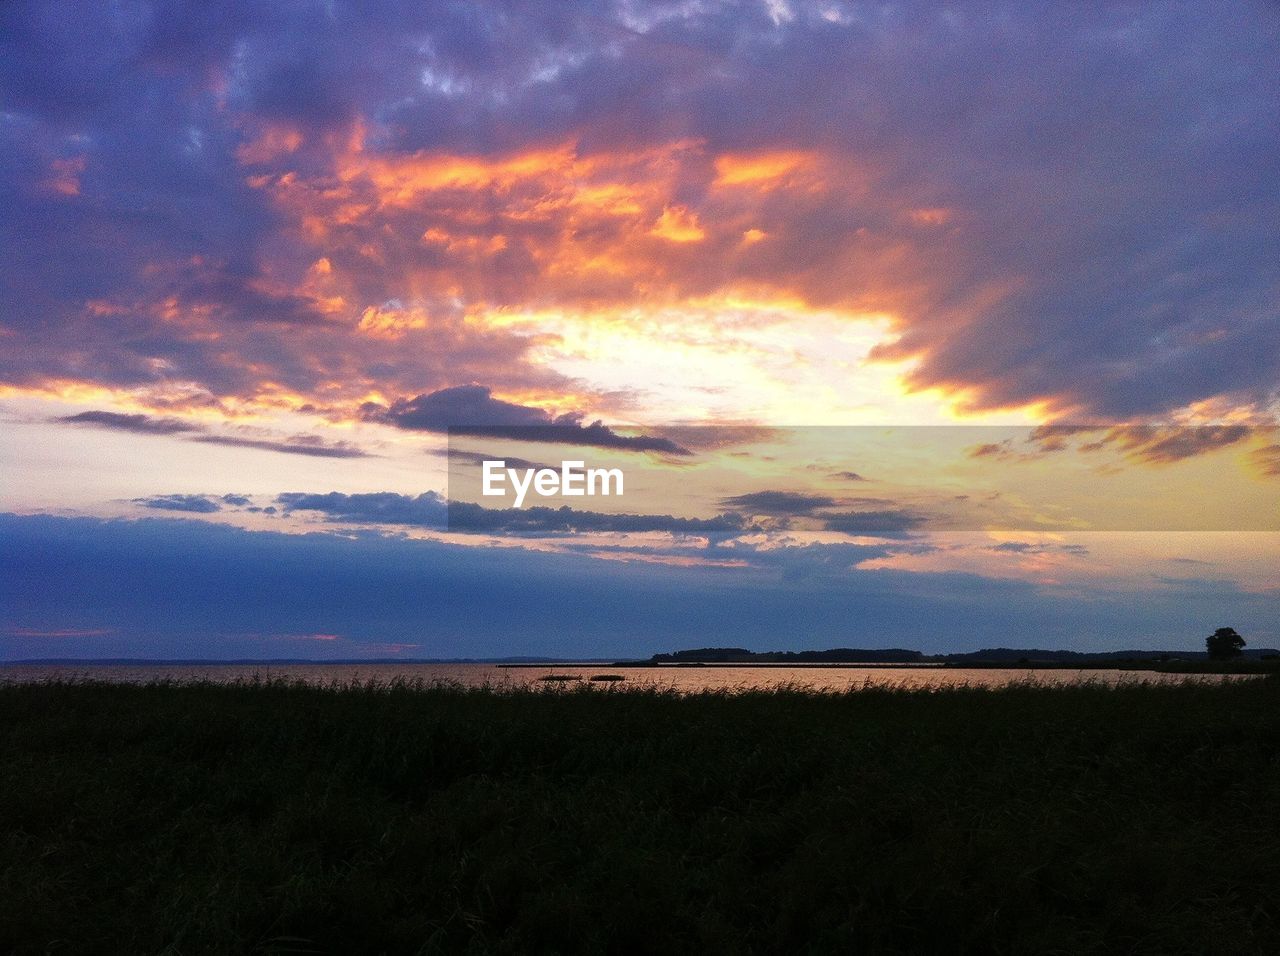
(679, 678)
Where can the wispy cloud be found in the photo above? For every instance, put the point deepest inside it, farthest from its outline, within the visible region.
(137, 423)
(54, 633)
(1268, 460)
(778, 502)
(193, 504)
(431, 511)
(884, 522)
(309, 445)
(1148, 444)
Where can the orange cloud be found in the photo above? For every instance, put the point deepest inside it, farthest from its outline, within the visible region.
(545, 224)
(678, 224)
(400, 180)
(552, 224)
(383, 323)
(760, 170)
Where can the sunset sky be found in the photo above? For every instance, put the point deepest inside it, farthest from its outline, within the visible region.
(259, 258)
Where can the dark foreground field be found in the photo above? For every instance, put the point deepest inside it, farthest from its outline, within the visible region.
(191, 819)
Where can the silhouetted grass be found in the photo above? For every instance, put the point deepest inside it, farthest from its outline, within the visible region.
(402, 819)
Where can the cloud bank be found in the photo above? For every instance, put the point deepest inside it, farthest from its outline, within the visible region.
(1058, 204)
(94, 588)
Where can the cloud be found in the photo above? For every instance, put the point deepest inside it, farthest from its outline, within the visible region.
(1057, 435)
(309, 445)
(1149, 444)
(472, 410)
(1001, 450)
(1165, 444)
(37, 632)
(234, 589)
(886, 522)
(778, 502)
(1027, 547)
(138, 424)
(814, 562)
(564, 520)
(1268, 460)
(719, 436)
(1076, 209)
(195, 504)
(791, 504)
(430, 510)
(427, 510)
(478, 458)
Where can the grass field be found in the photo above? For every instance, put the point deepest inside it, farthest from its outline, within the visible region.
(282, 818)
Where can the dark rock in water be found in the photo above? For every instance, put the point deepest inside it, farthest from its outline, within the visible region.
(607, 678)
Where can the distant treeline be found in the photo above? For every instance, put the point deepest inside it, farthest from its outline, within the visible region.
(837, 655)
(898, 655)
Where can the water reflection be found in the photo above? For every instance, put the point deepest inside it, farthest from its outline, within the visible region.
(684, 679)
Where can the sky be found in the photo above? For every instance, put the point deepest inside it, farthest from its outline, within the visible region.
(910, 324)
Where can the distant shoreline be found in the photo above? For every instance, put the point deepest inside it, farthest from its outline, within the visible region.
(1250, 664)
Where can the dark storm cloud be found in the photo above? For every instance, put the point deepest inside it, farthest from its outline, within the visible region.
(1069, 203)
(472, 410)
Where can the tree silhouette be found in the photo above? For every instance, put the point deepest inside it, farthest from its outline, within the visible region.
(1224, 644)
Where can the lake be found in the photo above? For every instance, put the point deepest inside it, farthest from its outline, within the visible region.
(684, 679)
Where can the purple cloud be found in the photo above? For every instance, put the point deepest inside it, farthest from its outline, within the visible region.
(1076, 207)
(472, 410)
